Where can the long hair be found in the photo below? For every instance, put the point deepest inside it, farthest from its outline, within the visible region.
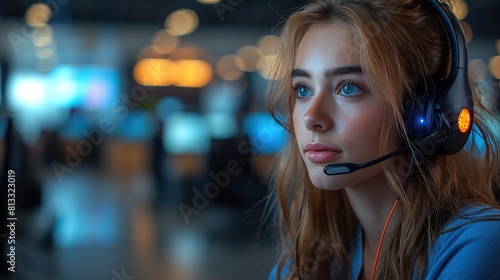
(399, 43)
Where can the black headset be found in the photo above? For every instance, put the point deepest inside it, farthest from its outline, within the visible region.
(439, 122)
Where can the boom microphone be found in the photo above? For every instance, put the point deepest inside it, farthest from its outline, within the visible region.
(348, 167)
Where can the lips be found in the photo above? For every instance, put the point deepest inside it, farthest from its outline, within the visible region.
(320, 153)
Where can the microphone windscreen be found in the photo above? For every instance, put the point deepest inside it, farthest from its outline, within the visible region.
(336, 169)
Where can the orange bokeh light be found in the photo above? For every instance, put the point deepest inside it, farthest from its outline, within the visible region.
(166, 72)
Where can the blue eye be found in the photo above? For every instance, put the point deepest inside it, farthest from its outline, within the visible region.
(303, 91)
(350, 89)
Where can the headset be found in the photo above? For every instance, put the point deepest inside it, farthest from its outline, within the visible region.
(439, 122)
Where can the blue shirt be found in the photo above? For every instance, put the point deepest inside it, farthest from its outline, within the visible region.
(468, 249)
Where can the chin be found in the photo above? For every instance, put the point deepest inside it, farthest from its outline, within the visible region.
(320, 180)
(328, 183)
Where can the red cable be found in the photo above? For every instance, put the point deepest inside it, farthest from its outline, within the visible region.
(382, 239)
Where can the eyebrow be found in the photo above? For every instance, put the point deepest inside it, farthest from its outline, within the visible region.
(344, 70)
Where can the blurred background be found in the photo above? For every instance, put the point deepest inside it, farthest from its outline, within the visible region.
(138, 135)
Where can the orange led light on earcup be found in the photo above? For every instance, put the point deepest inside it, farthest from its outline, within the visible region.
(464, 120)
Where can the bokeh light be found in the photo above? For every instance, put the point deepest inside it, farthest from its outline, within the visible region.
(467, 31)
(42, 37)
(154, 72)
(250, 56)
(494, 65)
(460, 9)
(268, 44)
(186, 133)
(223, 125)
(38, 15)
(181, 22)
(228, 67)
(193, 73)
(165, 43)
(166, 72)
(269, 67)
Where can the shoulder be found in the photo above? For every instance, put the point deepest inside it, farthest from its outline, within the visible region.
(468, 246)
(480, 219)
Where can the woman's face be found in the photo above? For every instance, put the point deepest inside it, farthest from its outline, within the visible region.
(336, 117)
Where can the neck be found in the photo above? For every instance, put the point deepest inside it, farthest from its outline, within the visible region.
(372, 204)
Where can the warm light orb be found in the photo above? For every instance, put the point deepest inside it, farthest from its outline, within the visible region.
(38, 15)
(460, 9)
(181, 22)
(494, 65)
(467, 31)
(228, 67)
(250, 56)
(154, 72)
(268, 44)
(42, 37)
(165, 43)
(464, 120)
(166, 72)
(42, 41)
(193, 73)
(270, 67)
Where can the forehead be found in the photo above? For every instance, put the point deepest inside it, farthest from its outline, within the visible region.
(327, 44)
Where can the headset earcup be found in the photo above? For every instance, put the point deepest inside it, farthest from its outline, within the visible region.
(455, 103)
(419, 112)
(439, 114)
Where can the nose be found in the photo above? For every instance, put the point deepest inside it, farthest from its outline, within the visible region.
(318, 116)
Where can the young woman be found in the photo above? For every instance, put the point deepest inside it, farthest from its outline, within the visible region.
(348, 70)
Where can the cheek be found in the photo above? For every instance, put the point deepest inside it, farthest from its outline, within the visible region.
(362, 126)
(370, 125)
